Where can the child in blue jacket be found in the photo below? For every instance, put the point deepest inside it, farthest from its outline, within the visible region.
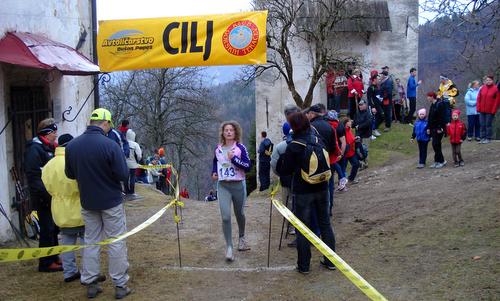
(422, 137)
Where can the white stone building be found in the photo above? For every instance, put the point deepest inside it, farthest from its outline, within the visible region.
(38, 79)
(393, 41)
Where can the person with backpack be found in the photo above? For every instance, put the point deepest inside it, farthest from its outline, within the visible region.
(420, 133)
(265, 151)
(447, 92)
(310, 187)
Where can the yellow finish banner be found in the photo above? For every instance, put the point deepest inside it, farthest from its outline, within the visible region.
(227, 39)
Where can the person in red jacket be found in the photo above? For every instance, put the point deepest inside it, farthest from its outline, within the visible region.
(355, 92)
(350, 152)
(457, 132)
(488, 101)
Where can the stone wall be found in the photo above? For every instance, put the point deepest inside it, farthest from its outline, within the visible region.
(62, 21)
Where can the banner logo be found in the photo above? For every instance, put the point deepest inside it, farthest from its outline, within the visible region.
(128, 43)
(241, 38)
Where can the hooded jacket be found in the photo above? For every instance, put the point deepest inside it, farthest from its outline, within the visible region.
(135, 151)
(98, 165)
(456, 130)
(471, 101)
(37, 154)
(66, 208)
(488, 99)
(354, 83)
(364, 123)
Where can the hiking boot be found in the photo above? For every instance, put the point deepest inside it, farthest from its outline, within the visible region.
(456, 164)
(242, 244)
(229, 254)
(72, 277)
(420, 166)
(302, 271)
(478, 139)
(461, 163)
(122, 292)
(100, 278)
(441, 165)
(93, 290)
(328, 265)
(53, 267)
(376, 133)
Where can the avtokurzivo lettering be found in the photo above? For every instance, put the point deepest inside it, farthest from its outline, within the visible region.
(191, 35)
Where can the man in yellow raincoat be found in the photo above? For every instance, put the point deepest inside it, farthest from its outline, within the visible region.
(65, 207)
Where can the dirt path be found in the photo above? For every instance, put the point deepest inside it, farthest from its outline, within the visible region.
(411, 233)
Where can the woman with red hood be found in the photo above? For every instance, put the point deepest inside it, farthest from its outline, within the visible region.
(457, 132)
(488, 101)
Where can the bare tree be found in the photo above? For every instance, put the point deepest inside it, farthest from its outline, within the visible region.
(311, 24)
(473, 27)
(167, 107)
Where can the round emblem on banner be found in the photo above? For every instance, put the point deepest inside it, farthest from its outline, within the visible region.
(241, 38)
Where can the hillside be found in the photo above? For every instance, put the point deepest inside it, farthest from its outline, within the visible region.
(413, 234)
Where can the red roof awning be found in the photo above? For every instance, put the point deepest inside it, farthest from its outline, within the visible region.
(35, 51)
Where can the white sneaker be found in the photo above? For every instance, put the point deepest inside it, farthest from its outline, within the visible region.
(242, 244)
(376, 133)
(373, 137)
(229, 254)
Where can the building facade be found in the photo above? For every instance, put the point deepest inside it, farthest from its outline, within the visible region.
(44, 69)
(394, 44)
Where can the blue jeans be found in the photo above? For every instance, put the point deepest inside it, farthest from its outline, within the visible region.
(354, 166)
(486, 121)
(305, 205)
(422, 151)
(69, 258)
(473, 126)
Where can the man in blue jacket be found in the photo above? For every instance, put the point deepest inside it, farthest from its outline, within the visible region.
(411, 93)
(98, 165)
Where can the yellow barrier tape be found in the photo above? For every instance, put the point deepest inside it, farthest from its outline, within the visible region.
(8, 255)
(160, 166)
(275, 190)
(341, 265)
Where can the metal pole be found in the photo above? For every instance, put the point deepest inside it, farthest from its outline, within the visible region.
(269, 240)
(283, 226)
(178, 238)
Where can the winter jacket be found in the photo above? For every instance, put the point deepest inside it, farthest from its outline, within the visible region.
(437, 116)
(66, 208)
(37, 154)
(350, 141)
(135, 155)
(354, 83)
(334, 123)
(264, 145)
(290, 164)
(386, 88)
(119, 138)
(234, 169)
(411, 87)
(372, 95)
(457, 131)
(447, 90)
(471, 101)
(364, 123)
(279, 150)
(330, 79)
(326, 133)
(488, 99)
(98, 165)
(420, 130)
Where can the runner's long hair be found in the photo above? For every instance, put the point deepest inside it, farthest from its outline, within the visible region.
(237, 131)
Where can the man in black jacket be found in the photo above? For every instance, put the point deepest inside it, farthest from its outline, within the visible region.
(98, 165)
(322, 128)
(38, 152)
(436, 127)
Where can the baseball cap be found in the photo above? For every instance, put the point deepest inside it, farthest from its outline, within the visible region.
(315, 108)
(102, 114)
(64, 139)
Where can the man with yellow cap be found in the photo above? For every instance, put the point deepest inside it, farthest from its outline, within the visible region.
(98, 165)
